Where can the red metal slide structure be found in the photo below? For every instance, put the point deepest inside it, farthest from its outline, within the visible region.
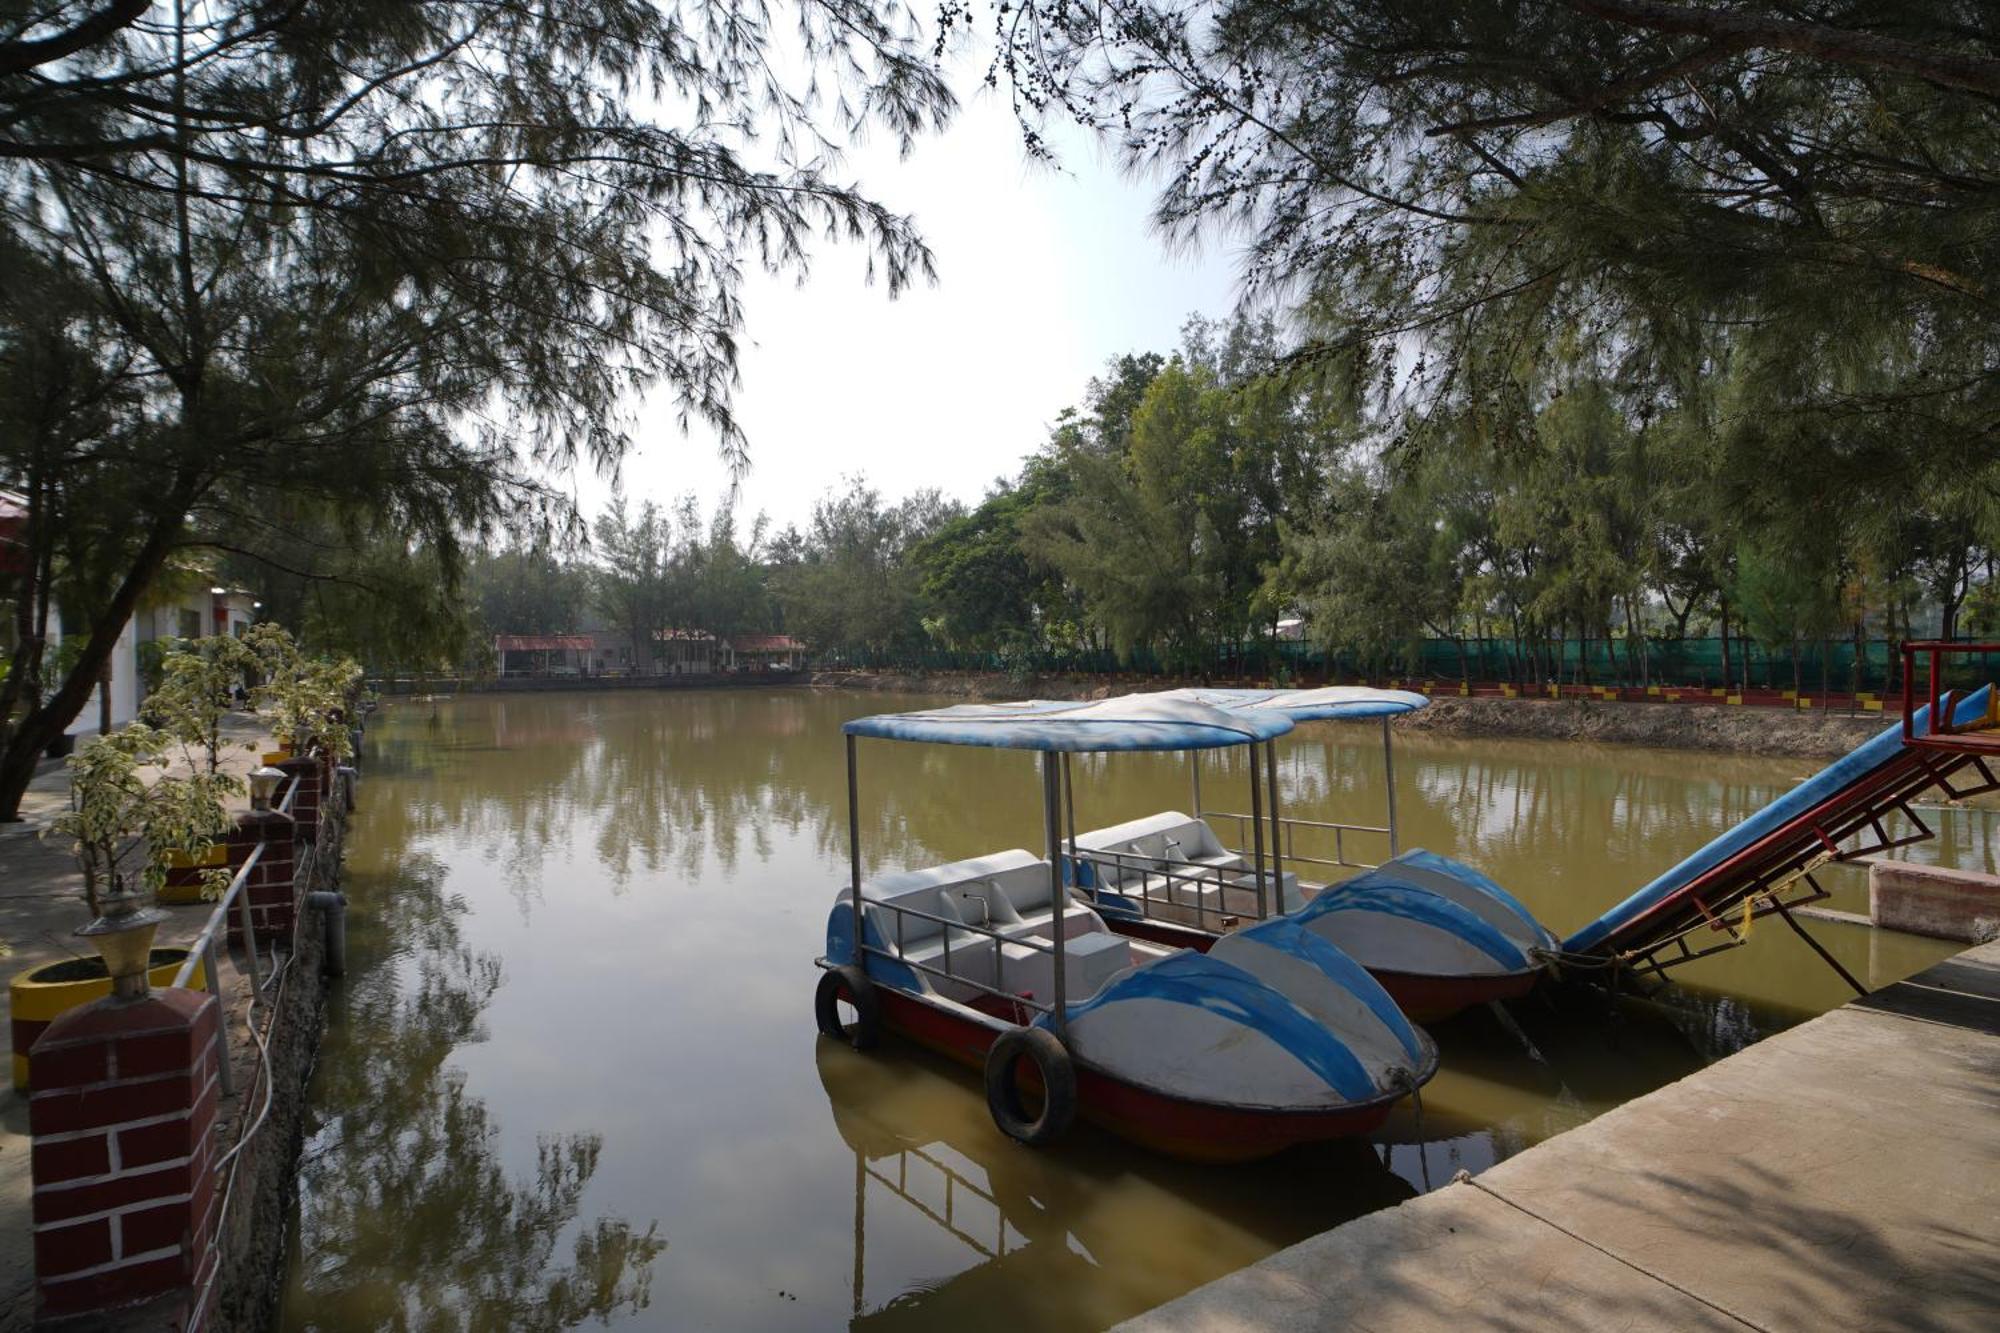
(1860, 806)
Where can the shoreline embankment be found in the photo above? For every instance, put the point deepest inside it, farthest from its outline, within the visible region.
(1725, 728)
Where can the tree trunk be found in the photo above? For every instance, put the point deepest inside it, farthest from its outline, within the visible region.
(1855, 667)
(40, 728)
(1725, 643)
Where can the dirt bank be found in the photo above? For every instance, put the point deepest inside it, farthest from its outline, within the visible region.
(1735, 729)
(1738, 730)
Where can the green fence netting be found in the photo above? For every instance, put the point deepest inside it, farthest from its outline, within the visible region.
(1840, 667)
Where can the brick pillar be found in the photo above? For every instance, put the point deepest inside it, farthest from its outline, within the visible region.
(311, 774)
(270, 889)
(121, 1108)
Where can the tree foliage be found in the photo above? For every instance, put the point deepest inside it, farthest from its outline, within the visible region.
(391, 260)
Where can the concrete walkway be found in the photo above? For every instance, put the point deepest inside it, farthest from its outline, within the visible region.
(1842, 1175)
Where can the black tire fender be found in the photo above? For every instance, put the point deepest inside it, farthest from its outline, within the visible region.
(1041, 1048)
(848, 982)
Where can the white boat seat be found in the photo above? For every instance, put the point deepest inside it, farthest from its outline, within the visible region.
(1008, 893)
(1088, 963)
(1177, 897)
(1150, 845)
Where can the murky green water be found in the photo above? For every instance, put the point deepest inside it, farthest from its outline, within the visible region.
(573, 1076)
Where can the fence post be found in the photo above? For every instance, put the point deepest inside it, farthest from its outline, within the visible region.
(121, 1110)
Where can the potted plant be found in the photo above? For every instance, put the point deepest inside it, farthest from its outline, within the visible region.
(124, 831)
(197, 687)
(307, 698)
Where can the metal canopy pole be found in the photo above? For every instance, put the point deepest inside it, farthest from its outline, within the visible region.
(1277, 845)
(1069, 808)
(1052, 827)
(1194, 767)
(1257, 831)
(854, 850)
(1389, 775)
(860, 1229)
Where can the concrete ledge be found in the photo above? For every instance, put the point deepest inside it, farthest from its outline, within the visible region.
(1844, 1174)
(1930, 900)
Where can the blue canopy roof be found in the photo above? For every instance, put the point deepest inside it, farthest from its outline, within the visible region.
(1327, 702)
(1165, 721)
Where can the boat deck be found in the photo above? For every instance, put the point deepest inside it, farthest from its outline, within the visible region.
(1844, 1174)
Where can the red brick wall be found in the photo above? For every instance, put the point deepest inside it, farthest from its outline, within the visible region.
(122, 1113)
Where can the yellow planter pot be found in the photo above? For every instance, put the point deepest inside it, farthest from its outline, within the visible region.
(215, 857)
(40, 996)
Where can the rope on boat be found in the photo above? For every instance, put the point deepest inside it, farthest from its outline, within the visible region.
(1406, 1079)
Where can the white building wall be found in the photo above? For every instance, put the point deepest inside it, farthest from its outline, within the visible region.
(124, 683)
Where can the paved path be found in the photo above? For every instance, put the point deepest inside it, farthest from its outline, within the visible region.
(1842, 1175)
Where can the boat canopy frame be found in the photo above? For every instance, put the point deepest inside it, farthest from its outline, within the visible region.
(1057, 729)
(1333, 703)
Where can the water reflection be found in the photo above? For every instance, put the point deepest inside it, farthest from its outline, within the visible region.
(582, 928)
(407, 1216)
(1073, 1239)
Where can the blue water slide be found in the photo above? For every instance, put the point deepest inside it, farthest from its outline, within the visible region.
(1794, 804)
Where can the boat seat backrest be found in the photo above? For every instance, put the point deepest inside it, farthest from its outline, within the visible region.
(983, 902)
(1152, 843)
(976, 891)
(911, 929)
(1027, 891)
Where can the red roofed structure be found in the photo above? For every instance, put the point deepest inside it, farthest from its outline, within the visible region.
(674, 652)
(767, 652)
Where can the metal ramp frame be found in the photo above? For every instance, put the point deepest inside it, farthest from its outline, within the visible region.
(1713, 911)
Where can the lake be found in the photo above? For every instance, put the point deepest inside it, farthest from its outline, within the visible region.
(573, 1077)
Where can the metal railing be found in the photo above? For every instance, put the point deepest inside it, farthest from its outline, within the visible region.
(955, 1182)
(1290, 826)
(948, 924)
(1159, 875)
(205, 951)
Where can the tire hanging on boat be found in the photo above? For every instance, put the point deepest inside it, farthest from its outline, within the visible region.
(848, 982)
(1003, 1094)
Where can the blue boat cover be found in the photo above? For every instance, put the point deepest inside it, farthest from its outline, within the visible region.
(1385, 897)
(1794, 803)
(1329, 702)
(1285, 934)
(1164, 721)
(1201, 982)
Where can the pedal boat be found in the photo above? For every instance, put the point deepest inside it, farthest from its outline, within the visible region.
(1437, 934)
(1269, 1038)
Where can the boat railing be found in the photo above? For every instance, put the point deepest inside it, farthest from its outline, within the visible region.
(1161, 875)
(1289, 828)
(900, 954)
(956, 1184)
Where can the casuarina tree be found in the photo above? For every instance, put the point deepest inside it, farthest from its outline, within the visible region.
(392, 258)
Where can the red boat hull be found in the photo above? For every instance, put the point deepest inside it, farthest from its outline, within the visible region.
(1423, 998)
(1432, 999)
(1193, 1131)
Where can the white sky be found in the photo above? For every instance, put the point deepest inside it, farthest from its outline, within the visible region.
(1043, 276)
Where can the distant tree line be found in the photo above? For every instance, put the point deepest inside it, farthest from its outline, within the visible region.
(1193, 499)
